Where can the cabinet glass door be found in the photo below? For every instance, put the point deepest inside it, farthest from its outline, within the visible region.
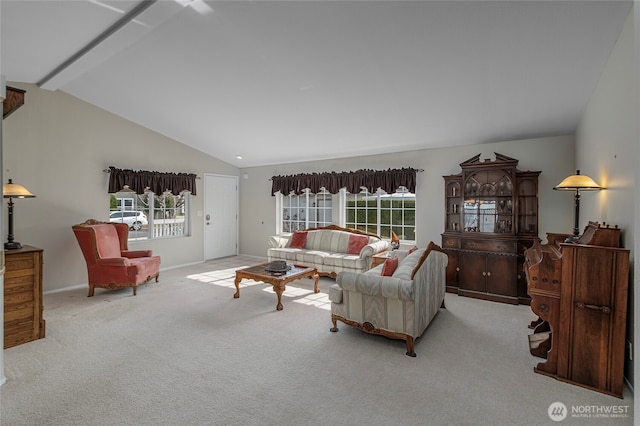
(488, 203)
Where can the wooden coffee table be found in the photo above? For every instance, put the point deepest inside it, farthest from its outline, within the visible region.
(277, 280)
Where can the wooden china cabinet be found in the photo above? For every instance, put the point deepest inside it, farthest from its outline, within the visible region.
(491, 218)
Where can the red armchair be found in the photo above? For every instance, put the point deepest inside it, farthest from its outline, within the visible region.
(110, 264)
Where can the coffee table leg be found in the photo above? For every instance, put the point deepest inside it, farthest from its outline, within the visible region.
(315, 283)
(237, 283)
(279, 290)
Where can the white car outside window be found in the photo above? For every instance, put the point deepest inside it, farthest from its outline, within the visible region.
(134, 219)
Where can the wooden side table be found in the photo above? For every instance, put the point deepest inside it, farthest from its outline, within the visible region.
(23, 320)
(379, 258)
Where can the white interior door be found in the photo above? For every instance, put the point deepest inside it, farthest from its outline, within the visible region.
(220, 216)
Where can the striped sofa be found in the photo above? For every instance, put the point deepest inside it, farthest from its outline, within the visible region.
(329, 249)
(400, 306)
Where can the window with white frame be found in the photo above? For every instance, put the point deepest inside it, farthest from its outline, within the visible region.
(381, 213)
(303, 211)
(151, 215)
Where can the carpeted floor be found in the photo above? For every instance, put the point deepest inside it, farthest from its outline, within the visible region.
(184, 352)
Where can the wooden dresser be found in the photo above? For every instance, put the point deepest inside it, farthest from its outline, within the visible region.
(23, 320)
(579, 292)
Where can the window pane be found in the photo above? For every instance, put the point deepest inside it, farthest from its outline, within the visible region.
(293, 214)
(362, 212)
(320, 209)
(149, 215)
(169, 215)
(306, 211)
(132, 209)
(382, 213)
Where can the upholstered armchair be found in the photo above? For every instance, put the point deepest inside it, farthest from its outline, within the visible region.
(399, 306)
(110, 264)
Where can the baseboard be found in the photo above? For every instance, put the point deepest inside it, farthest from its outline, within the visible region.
(59, 290)
(86, 285)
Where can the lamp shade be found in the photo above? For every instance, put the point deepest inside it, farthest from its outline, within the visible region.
(13, 190)
(578, 181)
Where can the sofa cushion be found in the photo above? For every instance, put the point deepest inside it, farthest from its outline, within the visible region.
(285, 253)
(357, 243)
(405, 268)
(389, 266)
(343, 260)
(388, 287)
(299, 239)
(311, 257)
(328, 240)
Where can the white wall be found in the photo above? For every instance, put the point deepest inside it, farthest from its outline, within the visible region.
(607, 149)
(554, 156)
(57, 146)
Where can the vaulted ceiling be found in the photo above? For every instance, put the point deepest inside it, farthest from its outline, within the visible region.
(287, 81)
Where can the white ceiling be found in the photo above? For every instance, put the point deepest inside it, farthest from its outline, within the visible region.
(287, 81)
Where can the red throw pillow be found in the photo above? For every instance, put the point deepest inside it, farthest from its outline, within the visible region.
(356, 242)
(412, 249)
(299, 239)
(389, 266)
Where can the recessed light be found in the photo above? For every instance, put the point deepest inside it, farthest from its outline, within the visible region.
(239, 157)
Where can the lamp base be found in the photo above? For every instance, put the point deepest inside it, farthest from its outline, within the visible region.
(13, 245)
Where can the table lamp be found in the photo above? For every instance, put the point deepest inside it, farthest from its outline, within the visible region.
(13, 190)
(577, 183)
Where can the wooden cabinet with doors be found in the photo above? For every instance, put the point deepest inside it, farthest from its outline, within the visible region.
(491, 217)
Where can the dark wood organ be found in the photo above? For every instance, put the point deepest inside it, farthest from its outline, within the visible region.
(579, 292)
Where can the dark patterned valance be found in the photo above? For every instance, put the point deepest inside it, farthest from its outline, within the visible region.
(158, 182)
(388, 180)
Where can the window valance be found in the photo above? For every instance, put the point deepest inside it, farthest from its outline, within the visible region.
(388, 180)
(158, 182)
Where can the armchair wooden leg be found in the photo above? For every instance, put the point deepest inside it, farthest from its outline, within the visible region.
(135, 289)
(90, 291)
(410, 351)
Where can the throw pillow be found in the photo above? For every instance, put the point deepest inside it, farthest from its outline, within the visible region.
(389, 266)
(412, 249)
(299, 239)
(356, 243)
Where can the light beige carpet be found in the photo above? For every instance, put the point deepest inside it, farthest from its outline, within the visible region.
(184, 352)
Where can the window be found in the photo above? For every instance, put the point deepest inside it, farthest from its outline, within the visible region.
(151, 216)
(376, 213)
(303, 211)
(381, 213)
